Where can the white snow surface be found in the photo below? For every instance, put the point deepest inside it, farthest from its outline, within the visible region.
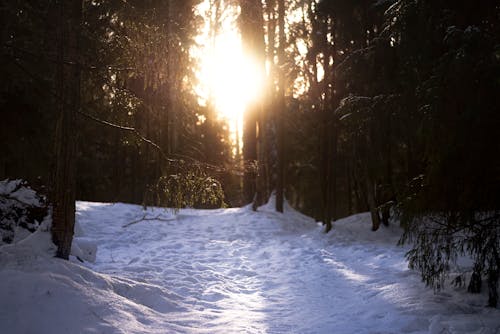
(225, 271)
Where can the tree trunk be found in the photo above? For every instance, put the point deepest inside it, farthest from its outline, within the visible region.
(326, 172)
(372, 203)
(280, 182)
(64, 177)
(332, 177)
(349, 189)
(171, 114)
(252, 32)
(388, 191)
(270, 137)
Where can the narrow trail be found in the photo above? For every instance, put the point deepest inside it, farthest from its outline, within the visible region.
(238, 271)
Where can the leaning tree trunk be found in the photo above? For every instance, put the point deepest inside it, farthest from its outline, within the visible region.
(63, 183)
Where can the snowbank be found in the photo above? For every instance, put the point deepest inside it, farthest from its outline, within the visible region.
(43, 294)
(226, 271)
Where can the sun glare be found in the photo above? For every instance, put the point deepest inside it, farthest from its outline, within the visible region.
(231, 76)
(228, 79)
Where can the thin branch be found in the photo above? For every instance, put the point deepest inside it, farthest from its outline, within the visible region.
(65, 61)
(131, 130)
(144, 218)
(116, 126)
(103, 122)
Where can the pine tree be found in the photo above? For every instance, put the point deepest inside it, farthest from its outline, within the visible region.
(64, 179)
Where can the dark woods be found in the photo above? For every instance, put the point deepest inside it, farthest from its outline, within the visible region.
(404, 123)
(136, 118)
(407, 106)
(392, 108)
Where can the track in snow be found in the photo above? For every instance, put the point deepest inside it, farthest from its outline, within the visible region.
(237, 271)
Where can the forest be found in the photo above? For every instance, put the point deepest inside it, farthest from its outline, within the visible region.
(334, 107)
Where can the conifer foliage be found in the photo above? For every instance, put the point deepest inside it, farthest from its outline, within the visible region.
(417, 85)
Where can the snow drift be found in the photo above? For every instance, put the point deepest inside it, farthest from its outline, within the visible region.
(226, 271)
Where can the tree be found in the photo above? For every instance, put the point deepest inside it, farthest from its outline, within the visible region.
(452, 209)
(280, 183)
(64, 178)
(252, 35)
(428, 156)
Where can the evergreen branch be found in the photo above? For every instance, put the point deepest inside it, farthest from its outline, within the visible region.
(129, 129)
(248, 165)
(100, 121)
(65, 61)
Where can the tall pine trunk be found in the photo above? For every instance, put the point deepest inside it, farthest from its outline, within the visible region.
(252, 32)
(280, 182)
(172, 114)
(64, 177)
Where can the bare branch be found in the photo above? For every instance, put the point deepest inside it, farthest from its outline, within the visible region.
(144, 218)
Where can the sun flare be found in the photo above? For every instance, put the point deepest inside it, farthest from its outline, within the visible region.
(228, 79)
(232, 77)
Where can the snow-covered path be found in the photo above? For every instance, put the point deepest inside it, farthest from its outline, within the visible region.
(237, 271)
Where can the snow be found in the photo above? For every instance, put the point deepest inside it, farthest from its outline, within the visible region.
(18, 203)
(15, 189)
(225, 271)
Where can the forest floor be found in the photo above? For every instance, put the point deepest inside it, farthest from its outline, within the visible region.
(227, 271)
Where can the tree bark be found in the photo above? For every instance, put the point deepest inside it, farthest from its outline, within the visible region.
(172, 116)
(64, 177)
(280, 182)
(252, 32)
(372, 202)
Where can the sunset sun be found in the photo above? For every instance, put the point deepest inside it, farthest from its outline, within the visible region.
(229, 79)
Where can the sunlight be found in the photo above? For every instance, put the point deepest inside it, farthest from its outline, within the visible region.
(342, 268)
(228, 79)
(231, 76)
